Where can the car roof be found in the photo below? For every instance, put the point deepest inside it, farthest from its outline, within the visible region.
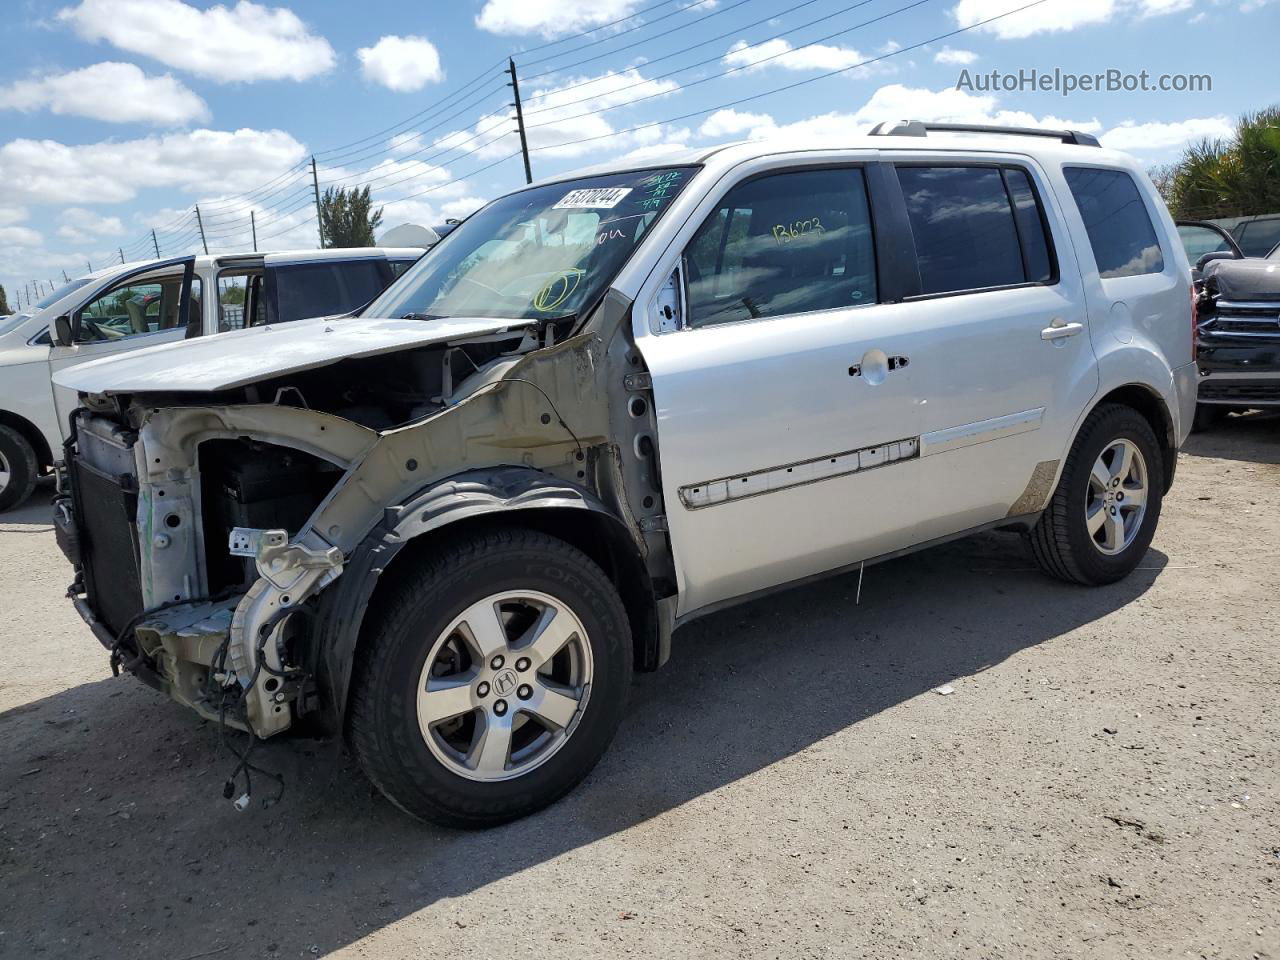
(303, 255)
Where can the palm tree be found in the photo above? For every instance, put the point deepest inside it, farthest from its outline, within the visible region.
(1238, 177)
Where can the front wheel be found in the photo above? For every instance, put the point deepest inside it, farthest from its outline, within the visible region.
(491, 679)
(19, 468)
(1103, 514)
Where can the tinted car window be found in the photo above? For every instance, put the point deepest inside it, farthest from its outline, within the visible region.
(963, 225)
(787, 243)
(1258, 237)
(1037, 261)
(318, 289)
(1197, 241)
(1120, 231)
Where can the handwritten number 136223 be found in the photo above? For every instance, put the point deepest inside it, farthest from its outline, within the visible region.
(784, 233)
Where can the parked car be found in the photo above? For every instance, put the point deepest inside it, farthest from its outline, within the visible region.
(1239, 326)
(1257, 236)
(130, 306)
(450, 528)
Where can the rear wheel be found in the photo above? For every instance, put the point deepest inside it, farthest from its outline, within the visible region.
(492, 681)
(18, 468)
(1103, 514)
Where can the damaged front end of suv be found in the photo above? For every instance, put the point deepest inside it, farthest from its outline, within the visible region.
(233, 506)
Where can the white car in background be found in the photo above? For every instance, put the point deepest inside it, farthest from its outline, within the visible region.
(129, 306)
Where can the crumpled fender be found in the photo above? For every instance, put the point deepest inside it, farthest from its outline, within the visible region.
(473, 493)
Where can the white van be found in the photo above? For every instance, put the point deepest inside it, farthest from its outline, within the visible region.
(133, 305)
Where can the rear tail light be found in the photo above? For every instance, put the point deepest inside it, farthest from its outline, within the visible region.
(1195, 323)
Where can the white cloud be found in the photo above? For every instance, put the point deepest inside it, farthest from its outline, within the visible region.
(19, 237)
(242, 43)
(405, 143)
(46, 171)
(550, 17)
(402, 64)
(724, 123)
(1053, 15)
(891, 102)
(114, 92)
(1160, 137)
(779, 53)
(79, 225)
(960, 58)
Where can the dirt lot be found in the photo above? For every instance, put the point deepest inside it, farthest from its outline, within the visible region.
(1104, 781)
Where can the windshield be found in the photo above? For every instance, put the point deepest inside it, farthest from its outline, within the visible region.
(542, 253)
(61, 292)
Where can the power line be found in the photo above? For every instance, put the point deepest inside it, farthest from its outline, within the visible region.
(639, 26)
(724, 73)
(798, 83)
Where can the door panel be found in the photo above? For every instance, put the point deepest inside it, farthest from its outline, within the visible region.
(753, 421)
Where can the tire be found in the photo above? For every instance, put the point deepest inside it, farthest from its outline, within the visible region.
(424, 770)
(1207, 417)
(1061, 540)
(18, 468)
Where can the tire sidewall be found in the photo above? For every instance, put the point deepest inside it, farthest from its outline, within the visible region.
(584, 590)
(1120, 424)
(23, 468)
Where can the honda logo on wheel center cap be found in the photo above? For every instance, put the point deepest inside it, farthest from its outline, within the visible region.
(505, 682)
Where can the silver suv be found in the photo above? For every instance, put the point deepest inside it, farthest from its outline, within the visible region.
(450, 528)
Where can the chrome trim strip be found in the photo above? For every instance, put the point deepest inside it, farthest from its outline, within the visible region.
(695, 496)
(1273, 305)
(968, 434)
(1267, 375)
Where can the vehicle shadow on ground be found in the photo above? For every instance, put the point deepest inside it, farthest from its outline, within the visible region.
(35, 515)
(1253, 437)
(115, 841)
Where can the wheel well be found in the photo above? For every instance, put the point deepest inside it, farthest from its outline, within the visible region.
(1153, 409)
(599, 536)
(31, 433)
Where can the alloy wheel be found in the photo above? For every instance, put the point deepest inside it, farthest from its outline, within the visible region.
(504, 685)
(1116, 499)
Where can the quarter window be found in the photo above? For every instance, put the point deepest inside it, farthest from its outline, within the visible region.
(787, 243)
(975, 228)
(1120, 231)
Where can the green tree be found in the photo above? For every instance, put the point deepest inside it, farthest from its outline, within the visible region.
(1237, 177)
(4, 303)
(346, 219)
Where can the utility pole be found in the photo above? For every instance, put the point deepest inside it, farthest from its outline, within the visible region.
(89, 265)
(200, 223)
(253, 225)
(121, 249)
(155, 243)
(524, 144)
(315, 182)
(65, 278)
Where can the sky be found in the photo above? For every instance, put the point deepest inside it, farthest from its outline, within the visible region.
(118, 117)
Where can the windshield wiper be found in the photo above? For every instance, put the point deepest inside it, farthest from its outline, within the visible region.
(421, 316)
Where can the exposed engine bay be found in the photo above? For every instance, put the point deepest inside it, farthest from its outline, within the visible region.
(240, 506)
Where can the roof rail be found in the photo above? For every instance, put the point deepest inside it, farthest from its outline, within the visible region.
(918, 128)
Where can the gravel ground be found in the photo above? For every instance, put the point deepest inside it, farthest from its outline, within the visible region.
(1104, 781)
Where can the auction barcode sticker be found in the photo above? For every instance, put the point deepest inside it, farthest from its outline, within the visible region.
(592, 198)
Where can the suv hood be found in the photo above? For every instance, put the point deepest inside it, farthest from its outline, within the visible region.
(241, 357)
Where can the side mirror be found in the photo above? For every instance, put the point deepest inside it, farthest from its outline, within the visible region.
(1215, 255)
(62, 334)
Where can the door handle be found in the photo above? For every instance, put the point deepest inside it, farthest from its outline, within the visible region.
(1057, 330)
(890, 364)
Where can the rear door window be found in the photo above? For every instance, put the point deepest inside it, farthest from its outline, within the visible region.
(975, 227)
(325, 287)
(782, 244)
(1120, 230)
